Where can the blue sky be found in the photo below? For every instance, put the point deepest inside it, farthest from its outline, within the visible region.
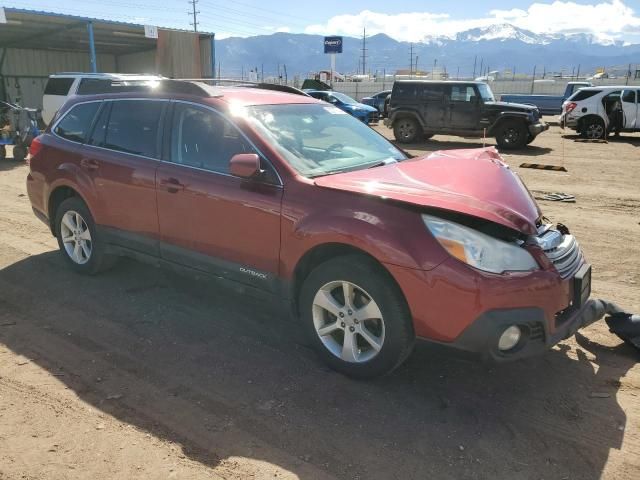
(409, 20)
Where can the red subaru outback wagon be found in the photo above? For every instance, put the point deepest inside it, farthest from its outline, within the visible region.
(289, 195)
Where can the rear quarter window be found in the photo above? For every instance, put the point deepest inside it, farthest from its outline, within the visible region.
(583, 95)
(58, 86)
(76, 123)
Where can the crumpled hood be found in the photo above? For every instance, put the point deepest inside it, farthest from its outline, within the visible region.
(475, 182)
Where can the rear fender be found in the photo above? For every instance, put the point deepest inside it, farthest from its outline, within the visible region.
(398, 114)
(72, 176)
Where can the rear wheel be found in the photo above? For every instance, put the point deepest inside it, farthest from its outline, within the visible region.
(81, 246)
(511, 135)
(593, 128)
(19, 153)
(3, 152)
(406, 130)
(356, 317)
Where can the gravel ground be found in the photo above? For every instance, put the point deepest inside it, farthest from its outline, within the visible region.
(140, 373)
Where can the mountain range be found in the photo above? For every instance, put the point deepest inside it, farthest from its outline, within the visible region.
(499, 47)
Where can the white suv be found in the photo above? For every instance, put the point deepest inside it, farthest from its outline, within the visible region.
(587, 110)
(61, 86)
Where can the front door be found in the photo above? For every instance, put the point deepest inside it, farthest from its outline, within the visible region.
(209, 219)
(464, 107)
(630, 109)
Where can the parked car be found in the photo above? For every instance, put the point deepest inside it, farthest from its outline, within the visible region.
(290, 196)
(421, 108)
(587, 111)
(61, 86)
(362, 112)
(377, 101)
(547, 104)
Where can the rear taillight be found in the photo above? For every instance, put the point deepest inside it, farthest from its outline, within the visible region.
(570, 107)
(35, 147)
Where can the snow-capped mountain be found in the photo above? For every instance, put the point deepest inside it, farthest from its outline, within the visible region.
(500, 46)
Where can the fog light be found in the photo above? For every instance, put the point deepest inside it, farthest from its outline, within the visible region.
(509, 338)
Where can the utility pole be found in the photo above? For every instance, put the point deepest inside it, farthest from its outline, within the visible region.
(194, 13)
(364, 50)
(411, 59)
(475, 61)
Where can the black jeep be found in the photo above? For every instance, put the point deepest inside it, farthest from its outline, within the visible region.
(420, 109)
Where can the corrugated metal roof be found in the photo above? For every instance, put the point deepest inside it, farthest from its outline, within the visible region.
(54, 31)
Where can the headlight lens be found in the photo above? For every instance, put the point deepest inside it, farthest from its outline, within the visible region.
(478, 249)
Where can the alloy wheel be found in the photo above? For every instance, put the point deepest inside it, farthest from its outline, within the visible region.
(595, 130)
(407, 130)
(76, 237)
(348, 321)
(511, 136)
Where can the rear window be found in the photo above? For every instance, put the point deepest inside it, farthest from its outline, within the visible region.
(76, 123)
(133, 127)
(583, 95)
(405, 90)
(58, 86)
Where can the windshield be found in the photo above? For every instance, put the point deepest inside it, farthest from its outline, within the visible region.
(486, 93)
(344, 98)
(320, 140)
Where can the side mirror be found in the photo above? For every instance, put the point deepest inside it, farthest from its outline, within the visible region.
(244, 165)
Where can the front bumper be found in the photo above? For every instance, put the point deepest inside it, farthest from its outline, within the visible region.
(537, 128)
(464, 308)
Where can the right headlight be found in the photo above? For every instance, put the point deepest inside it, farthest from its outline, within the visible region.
(478, 249)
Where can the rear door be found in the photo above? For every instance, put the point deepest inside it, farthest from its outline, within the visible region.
(464, 107)
(434, 105)
(121, 158)
(630, 109)
(209, 219)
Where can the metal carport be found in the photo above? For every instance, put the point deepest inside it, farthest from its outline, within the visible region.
(35, 44)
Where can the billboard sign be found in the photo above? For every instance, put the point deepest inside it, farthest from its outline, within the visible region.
(332, 44)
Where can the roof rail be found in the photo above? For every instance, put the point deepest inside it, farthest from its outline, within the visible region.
(244, 83)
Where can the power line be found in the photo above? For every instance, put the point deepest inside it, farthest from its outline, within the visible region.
(195, 13)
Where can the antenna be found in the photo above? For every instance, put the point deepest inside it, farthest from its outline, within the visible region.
(194, 13)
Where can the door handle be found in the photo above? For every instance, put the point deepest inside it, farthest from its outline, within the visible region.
(89, 164)
(172, 185)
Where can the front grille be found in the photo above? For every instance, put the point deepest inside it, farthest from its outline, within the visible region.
(563, 251)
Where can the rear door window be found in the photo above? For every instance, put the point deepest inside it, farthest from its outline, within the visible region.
(76, 123)
(58, 86)
(133, 127)
(629, 96)
(583, 95)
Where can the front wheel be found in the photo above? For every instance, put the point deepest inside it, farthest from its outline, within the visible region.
(356, 317)
(406, 130)
(19, 153)
(78, 239)
(512, 135)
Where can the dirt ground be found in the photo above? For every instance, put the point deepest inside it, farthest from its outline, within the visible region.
(144, 374)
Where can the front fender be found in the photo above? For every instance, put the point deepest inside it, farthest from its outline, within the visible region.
(506, 116)
(391, 235)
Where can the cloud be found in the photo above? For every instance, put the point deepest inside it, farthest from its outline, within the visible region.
(607, 19)
(283, 29)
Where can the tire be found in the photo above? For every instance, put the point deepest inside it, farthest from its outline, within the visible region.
(406, 130)
(389, 327)
(530, 139)
(3, 152)
(19, 153)
(427, 136)
(511, 135)
(90, 257)
(592, 128)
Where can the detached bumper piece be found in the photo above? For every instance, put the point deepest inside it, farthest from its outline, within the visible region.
(626, 326)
